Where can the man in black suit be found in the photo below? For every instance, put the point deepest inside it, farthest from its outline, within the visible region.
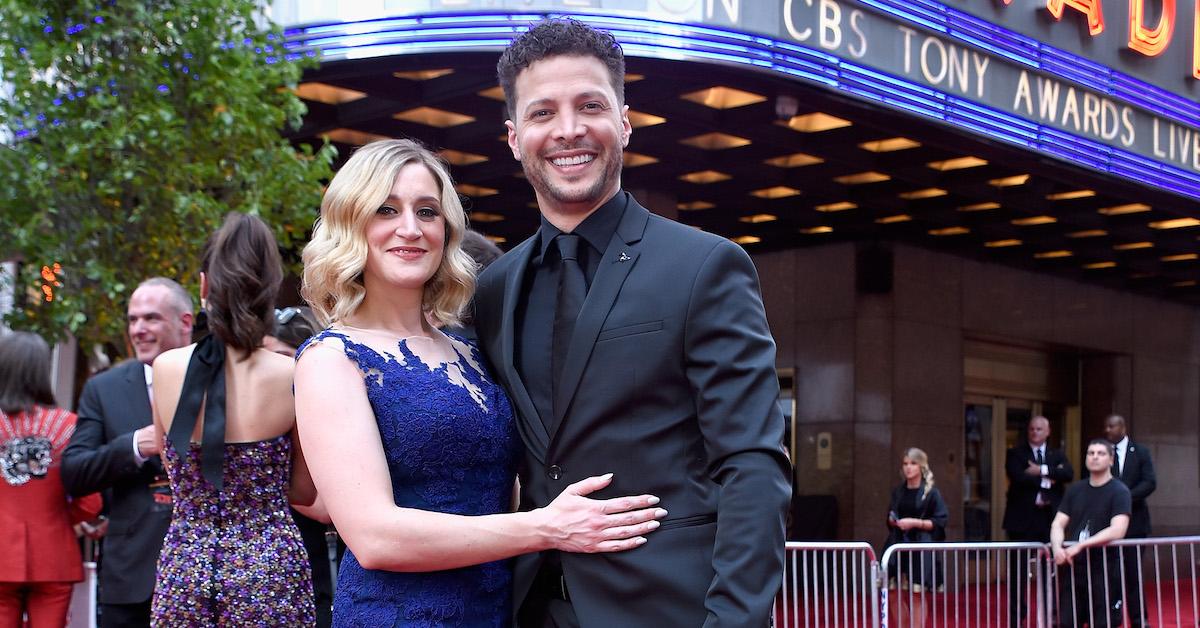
(1036, 477)
(634, 344)
(114, 450)
(1133, 466)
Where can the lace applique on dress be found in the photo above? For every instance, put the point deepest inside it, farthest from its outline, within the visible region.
(450, 443)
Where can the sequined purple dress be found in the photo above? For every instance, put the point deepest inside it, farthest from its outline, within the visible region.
(449, 449)
(233, 558)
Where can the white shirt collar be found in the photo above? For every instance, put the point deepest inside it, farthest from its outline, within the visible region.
(1123, 444)
(149, 370)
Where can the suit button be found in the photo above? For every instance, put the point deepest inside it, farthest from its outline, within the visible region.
(554, 472)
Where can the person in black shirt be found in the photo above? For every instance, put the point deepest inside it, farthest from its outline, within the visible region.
(1091, 515)
(916, 514)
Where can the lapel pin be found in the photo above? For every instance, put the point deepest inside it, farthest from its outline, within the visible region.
(624, 257)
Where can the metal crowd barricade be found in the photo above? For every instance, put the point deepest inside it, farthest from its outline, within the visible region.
(828, 585)
(1106, 586)
(965, 584)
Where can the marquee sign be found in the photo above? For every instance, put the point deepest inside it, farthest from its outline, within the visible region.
(1135, 115)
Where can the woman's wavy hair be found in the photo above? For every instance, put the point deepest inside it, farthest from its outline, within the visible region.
(242, 266)
(337, 254)
(918, 456)
(24, 372)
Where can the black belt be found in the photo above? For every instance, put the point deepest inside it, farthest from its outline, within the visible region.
(551, 582)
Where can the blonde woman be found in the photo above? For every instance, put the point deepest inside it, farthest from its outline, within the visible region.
(916, 514)
(411, 444)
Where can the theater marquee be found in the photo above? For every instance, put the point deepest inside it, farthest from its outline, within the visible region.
(1109, 85)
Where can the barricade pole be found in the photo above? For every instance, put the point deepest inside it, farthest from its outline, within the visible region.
(1157, 587)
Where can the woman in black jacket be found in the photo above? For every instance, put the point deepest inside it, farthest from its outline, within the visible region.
(917, 514)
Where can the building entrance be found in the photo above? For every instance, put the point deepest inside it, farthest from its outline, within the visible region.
(1005, 386)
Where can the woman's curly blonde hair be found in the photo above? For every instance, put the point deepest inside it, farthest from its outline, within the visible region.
(335, 257)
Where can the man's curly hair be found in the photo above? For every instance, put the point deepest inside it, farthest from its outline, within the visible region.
(555, 38)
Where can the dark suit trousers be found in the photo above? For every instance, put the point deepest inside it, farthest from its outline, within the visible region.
(544, 609)
(125, 615)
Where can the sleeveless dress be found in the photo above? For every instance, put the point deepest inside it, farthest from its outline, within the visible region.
(449, 449)
(234, 557)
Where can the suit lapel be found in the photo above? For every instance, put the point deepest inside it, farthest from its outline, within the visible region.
(619, 259)
(528, 421)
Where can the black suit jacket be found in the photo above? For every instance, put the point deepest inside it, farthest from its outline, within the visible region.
(1022, 517)
(671, 384)
(100, 458)
(1137, 473)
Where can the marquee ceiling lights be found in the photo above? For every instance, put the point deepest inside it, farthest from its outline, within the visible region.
(715, 141)
(694, 205)
(794, 160)
(815, 122)
(825, 157)
(1174, 223)
(1053, 254)
(816, 230)
(432, 116)
(486, 217)
(895, 218)
(723, 97)
(922, 193)
(423, 75)
(328, 94)
(1182, 257)
(889, 145)
(949, 231)
(1006, 182)
(633, 160)
(1074, 194)
(755, 219)
(1129, 208)
(979, 207)
(1034, 220)
(778, 191)
(461, 158)
(1087, 233)
(958, 163)
(475, 190)
(641, 119)
(835, 207)
(860, 178)
(493, 93)
(1100, 265)
(704, 177)
(352, 137)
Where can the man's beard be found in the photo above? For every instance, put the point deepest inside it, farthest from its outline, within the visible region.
(538, 171)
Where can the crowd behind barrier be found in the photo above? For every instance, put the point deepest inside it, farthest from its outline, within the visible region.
(842, 584)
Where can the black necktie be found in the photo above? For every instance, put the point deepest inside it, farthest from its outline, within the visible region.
(1116, 462)
(1037, 457)
(572, 290)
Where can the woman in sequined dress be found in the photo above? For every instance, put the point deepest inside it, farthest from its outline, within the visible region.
(411, 444)
(232, 555)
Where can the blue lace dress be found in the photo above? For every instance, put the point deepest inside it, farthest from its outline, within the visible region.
(449, 449)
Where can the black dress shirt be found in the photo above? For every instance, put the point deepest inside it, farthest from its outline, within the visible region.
(535, 307)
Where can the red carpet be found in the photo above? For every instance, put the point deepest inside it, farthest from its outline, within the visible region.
(1173, 605)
